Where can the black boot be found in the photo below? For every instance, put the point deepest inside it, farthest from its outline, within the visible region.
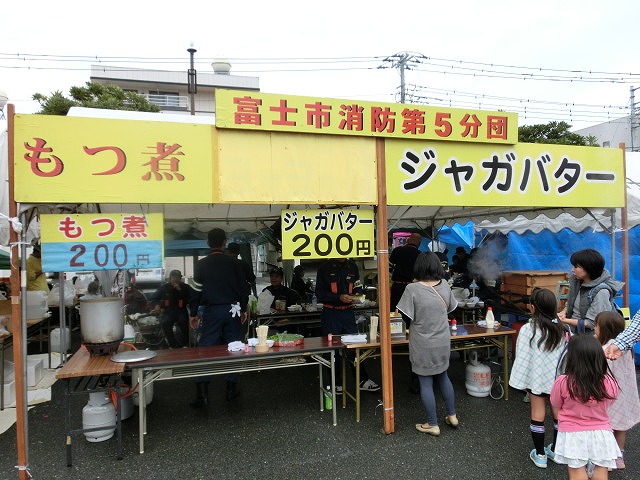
(202, 397)
(232, 390)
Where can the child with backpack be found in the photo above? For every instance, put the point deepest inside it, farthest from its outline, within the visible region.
(582, 397)
(591, 290)
(624, 413)
(540, 345)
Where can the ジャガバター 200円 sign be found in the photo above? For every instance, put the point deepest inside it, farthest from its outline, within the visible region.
(327, 233)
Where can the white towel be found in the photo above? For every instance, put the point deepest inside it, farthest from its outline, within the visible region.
(235, 346)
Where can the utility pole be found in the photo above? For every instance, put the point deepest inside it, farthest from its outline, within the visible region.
(633, 117)
(192, 81)
(402, 61)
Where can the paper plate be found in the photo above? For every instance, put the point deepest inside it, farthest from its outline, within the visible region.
(133, 356)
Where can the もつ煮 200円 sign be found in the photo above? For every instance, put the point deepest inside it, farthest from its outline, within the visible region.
(101, 241)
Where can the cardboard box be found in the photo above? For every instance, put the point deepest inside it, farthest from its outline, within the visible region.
(5, 307)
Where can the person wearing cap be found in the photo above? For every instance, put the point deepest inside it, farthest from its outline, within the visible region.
(170, 302)
(337, 280)
(298, 283)
(221, 295)
(36, 279)
(280, 291)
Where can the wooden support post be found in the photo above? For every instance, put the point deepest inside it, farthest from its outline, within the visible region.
(384, 303)
(19, 344)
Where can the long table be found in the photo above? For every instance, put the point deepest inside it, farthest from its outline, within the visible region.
(282, 319)
(467, 337)
(217, 360)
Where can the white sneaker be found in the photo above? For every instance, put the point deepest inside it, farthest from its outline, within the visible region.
(369, 386)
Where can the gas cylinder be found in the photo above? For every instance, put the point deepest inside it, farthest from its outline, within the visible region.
(478, 377)
(99, 412)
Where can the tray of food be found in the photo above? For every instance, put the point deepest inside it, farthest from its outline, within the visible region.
(286, 339)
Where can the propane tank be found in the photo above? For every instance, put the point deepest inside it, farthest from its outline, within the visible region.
(478, 377)
(99, 412)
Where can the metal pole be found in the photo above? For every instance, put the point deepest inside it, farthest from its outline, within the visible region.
(192, 82)
(632, 115)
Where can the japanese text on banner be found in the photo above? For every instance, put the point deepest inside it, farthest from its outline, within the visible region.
(265, 111)
(328, 233)
(101, 242)
(455, 174)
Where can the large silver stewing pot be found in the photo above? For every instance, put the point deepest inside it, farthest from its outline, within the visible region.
(102, 321)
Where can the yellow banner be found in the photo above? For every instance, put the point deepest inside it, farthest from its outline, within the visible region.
(269, 167)
(526, 174)
(289, 113)
(328, 233)
(67, 159)
(101, 241)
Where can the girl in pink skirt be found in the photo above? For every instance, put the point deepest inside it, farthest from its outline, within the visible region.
(582, 397)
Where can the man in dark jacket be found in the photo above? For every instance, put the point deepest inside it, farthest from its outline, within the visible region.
(221, 298)
(170, 302)
(279, 291)
(338, 279)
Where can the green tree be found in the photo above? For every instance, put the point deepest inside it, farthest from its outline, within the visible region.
(93, 95)
(554, 132)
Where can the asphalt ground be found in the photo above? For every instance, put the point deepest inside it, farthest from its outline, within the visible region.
(274, 429)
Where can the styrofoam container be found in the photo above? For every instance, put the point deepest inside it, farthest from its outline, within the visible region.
(9, 392)
(34, 371)
(8, 371)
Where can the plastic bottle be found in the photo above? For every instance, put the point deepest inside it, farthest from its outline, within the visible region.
(454, 325)
(314, 302)
(490, 319)
(328, 401)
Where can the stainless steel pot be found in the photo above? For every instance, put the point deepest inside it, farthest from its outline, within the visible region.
(102, 320)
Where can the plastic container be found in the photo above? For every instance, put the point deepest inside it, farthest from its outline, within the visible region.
(314, 302)
(148, 391)
(56, 337)
(126, 403)
(37, 304)
(99, 412)
(328, 401)
(490, 319)
(477, 377)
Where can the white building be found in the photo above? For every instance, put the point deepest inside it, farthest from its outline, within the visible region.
(169, 89)
(613, 133)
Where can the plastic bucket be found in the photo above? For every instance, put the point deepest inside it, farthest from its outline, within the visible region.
(56, 338)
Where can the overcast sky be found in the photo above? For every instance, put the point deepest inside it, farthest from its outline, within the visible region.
(470, 49)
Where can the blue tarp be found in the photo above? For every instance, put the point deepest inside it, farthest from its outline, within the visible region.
(551, 251)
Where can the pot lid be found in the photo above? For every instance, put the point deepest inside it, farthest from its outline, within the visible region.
(133, 356)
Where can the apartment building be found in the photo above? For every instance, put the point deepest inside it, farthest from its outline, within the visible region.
(169, 89)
